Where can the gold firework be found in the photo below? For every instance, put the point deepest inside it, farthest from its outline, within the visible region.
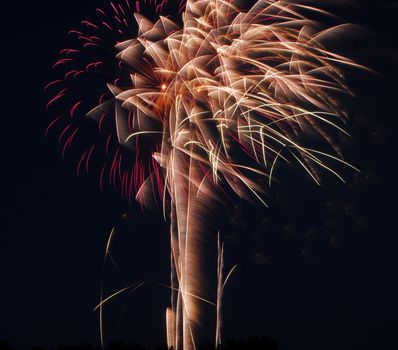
(225, 97)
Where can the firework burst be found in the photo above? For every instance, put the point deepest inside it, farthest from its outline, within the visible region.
(207, 105)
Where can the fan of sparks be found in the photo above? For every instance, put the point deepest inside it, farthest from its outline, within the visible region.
(230, 93)
(210, 103)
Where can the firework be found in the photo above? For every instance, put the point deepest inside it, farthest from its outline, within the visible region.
(204, 105)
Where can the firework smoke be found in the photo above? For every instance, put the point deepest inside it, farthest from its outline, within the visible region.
(207, 106)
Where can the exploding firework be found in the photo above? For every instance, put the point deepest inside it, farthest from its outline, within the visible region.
(191, 109)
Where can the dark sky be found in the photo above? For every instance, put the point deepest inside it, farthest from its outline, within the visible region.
(316, 271)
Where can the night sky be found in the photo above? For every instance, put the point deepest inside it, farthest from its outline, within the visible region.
(318, 270)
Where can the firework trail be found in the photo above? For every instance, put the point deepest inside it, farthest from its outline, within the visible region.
(188, 110)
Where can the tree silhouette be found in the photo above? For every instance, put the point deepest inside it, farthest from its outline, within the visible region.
(5, 345)
(252, 343)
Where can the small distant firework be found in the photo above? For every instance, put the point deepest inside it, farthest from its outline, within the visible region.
(187, 110)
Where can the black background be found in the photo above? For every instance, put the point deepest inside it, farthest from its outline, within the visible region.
(316, 271)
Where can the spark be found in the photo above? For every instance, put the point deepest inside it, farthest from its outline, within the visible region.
(132, 288)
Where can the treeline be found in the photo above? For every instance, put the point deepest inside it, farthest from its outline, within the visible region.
(252, 343)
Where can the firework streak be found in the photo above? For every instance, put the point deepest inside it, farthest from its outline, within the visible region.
(189, 110)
